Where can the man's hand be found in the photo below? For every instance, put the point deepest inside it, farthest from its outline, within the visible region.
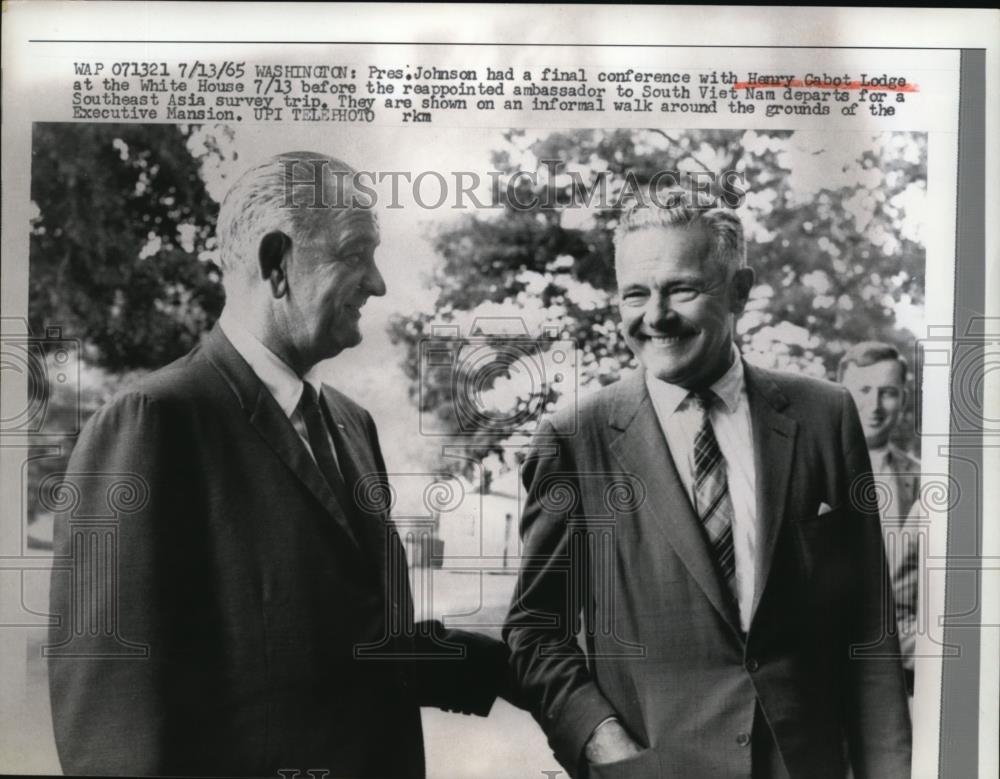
(469, 684)
(609, 743)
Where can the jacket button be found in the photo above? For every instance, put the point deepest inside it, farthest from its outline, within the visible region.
(752, 665)
(743, 739)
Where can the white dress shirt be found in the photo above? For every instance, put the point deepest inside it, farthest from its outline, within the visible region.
(879, 458)
(680, 421)
(281, 381)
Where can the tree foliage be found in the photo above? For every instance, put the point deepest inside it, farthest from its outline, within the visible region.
(833, 229)
(122, 221)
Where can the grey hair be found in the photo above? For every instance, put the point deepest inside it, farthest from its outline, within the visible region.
(287, 192)
(723, 226)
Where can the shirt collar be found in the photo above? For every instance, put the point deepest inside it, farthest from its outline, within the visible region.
(281, 381)
(880, 458)
(728, 388)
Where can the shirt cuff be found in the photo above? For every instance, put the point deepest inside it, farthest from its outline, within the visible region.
(606, 719)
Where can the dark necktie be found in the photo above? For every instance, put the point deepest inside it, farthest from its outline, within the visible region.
(343, 480)
(714, 507)
(319, 442)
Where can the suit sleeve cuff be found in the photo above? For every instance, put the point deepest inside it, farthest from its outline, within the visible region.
(585, 709)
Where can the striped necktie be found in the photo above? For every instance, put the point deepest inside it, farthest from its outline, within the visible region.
(712, 501)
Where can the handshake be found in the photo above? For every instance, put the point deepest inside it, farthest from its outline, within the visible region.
(466, 684)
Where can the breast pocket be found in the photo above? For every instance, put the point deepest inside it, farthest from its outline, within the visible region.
(829, 551)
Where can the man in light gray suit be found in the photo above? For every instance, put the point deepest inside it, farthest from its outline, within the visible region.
(733, 604)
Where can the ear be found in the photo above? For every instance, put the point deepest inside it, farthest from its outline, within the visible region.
(270, 258)
(741, 284)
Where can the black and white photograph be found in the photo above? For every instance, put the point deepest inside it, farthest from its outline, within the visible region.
(531, 309)
(437, 446)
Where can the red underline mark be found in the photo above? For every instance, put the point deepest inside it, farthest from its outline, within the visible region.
(849, 85)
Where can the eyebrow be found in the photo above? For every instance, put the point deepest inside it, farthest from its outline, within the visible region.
(683, 280)
(354, 239)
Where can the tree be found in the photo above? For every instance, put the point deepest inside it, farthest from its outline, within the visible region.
(833, 234)
(122, 221)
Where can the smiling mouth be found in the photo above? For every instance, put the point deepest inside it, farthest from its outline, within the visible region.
(668, 340)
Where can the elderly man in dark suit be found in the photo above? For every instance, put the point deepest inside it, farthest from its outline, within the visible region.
(254, 614)
(709, 522)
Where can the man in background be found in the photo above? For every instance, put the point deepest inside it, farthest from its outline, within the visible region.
(875, 374)
(254, 615)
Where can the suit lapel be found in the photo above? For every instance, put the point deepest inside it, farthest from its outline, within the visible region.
(906, 487)
(774, 445)
(273, 426)
(641, 448)
(365, 481)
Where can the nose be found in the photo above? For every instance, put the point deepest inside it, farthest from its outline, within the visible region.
(658, 310)
(869, 402)
(373, 283)
(891, 400)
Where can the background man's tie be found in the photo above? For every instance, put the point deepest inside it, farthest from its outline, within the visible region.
(712, 502)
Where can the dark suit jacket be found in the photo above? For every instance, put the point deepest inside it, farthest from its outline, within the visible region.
(231, 616)
(663, 648)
